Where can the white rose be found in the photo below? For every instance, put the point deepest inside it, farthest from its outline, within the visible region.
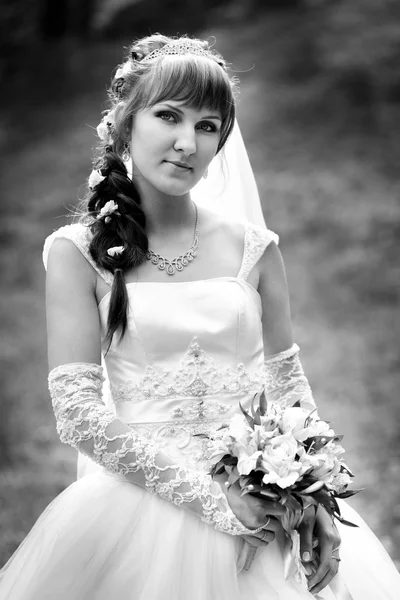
(327, 468)
(307, 461)
(95, 178)
(279, 461)
(103, 132)
(108, 209)
(115, 250)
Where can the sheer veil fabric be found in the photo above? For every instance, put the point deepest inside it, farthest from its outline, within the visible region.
(230, 188)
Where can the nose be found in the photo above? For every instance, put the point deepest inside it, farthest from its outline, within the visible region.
(186, 140)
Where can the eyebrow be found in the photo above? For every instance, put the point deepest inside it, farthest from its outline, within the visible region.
(178, 110)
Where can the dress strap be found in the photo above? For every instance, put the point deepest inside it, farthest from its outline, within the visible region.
(256, 240)
(79, 234)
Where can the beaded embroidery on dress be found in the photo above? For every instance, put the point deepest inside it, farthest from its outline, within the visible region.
(192, 351)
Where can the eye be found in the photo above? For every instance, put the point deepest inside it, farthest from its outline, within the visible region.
(208, 127)
(166, 115)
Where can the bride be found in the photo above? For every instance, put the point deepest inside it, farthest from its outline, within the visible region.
(147, 351)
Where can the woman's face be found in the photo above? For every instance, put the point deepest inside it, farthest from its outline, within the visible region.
(172, 145)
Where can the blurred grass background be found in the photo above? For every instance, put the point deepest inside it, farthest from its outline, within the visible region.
(319, 111)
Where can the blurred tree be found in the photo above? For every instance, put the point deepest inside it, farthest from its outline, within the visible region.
(67, 17)
(358, 45)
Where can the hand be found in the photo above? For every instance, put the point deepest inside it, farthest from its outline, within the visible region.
(319, 526)
(253, 512)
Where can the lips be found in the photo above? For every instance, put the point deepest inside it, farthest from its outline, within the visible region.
(181, 165)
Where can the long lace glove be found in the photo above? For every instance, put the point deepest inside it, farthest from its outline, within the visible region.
(84, 423)
(285, 381)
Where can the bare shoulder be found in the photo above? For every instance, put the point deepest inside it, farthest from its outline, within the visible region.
(271, 263)
(67, 265)
(73, 330)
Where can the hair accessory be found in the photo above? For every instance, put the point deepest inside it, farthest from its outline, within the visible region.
(180, 262)
(123, 70)
(95, 178)
(105, 128)
(181, 48)
(115, 250)
(108, 209)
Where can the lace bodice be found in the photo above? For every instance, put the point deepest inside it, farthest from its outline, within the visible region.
(192, 350)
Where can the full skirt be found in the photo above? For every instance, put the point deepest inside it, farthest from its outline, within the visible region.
(104, 537)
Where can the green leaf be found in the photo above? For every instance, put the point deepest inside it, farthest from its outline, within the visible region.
(261, 490)
(348, 493)
(217, 469)
(252, 409)
(344, 522)
(263, 404)
(345, 469)
(229, 460)
(293, 504)
(307, 499)
(233, 477)
(248, 417)
(225, 426)
(319, 441)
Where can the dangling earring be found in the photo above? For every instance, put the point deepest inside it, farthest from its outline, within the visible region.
(205, 174)
(126, 155)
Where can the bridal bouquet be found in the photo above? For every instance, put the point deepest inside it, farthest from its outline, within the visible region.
(286, 455)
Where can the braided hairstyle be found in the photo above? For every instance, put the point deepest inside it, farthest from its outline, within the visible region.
(112, 208)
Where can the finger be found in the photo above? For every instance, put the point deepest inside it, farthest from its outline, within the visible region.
(325, 580)
(268, 522)
(257, 540)
(272, 524)
(267, 507)
(306, 531)
(325, 565)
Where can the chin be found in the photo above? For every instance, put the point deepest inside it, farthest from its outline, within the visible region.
(175, 189)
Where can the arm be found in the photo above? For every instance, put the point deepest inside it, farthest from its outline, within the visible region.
(286, 383)
(75, 383)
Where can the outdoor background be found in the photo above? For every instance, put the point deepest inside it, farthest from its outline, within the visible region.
(319, 110)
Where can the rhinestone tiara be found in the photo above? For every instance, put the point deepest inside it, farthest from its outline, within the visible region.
(180, 49)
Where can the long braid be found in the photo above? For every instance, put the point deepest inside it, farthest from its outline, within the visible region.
(127, 230)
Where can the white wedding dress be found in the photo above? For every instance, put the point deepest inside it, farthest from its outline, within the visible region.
(191, 352)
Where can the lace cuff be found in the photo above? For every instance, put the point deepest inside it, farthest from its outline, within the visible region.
(84, 423)
(285, 381)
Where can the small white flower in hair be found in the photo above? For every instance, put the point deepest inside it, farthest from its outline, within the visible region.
(105, 127)
(115, 250)
(95, 178)
(108, 209)
(124, 70)
(102, 131)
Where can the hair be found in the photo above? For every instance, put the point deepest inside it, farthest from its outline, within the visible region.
(194, 79)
